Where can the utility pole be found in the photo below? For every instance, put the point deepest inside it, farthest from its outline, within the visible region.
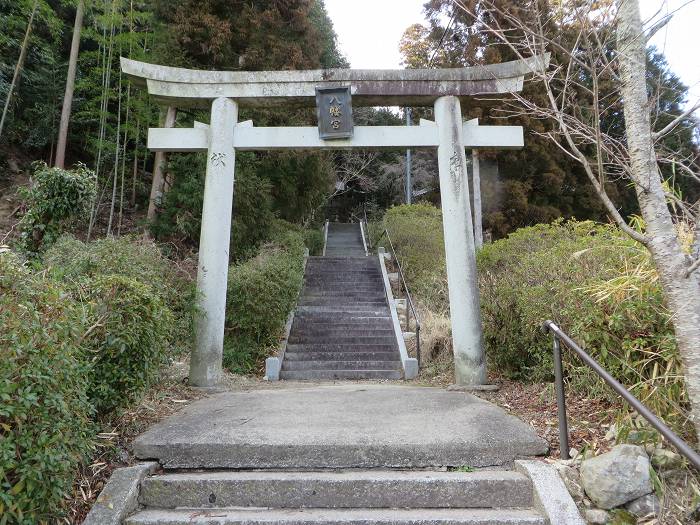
(409, 184)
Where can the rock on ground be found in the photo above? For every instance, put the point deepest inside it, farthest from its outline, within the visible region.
(644, 506)
(617, 477)
(597, 517)
(572, 480)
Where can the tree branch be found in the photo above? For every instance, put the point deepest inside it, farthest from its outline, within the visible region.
(680, 118)
(692, 268)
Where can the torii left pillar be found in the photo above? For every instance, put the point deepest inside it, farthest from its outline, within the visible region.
(460, 255)
(214, 245)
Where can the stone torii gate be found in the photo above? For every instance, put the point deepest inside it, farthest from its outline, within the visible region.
(224, 92)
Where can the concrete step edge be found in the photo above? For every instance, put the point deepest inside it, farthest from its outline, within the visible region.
(340, 356)
(337, 517)
(309, 375)
(361, 489)
(360, 364)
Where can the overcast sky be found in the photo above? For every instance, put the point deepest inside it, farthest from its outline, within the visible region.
(369, 32)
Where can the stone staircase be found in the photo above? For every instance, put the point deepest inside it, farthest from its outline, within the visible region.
(374, 497)
(340, 454)
(344, 240)
(342, 326)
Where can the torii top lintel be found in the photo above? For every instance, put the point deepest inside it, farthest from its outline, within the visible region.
(369, 87)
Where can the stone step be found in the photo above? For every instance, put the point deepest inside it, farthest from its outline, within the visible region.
(344, 294)
(359, 260)
(345, 251)
(345, 276)
(327, 375)
(290, 356)
(358, 264)
(321, 259)
(357, 286)
(320, 327)
(345, 297)
(354, 331)
(349, 489)
(333, 315)
(357, 364)
(337, 517)
(339, 339)
(346, 311)
(342, 277)
(344, 426)
(347, 322)
(315, 269)
(342, 284)
(340, 347)
(331, 301)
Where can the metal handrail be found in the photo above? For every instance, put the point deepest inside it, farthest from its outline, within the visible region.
(369, 238)
(408, 297)
(363, 230)
(557, 335)
(325, 236)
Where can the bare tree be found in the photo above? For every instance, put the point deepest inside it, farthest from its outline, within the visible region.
(354, 170)
(70, 87)
(18, 66)
(599, 69)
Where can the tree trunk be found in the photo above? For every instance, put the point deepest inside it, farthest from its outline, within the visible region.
(682, 291)
(70, 87)
(132, 201)
(19, 65)
(158, 169)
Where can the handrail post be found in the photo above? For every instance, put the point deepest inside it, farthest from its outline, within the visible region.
(683, 448)
(418, 343)
(561, 399)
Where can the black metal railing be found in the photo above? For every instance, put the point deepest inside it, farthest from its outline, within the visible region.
(410, 307)
(557, 336)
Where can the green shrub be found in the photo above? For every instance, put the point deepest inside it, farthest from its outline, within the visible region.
(127, 342)
(313, 239)
(602, 289)
(78, 262)
(540, 273)
(261, 293)
(56, 199)
(180, 217)
(416, 231)
(45, 426)
(591, 279)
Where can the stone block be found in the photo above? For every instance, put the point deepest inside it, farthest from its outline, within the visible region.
(272, 368)
(617, 477)
(550, 495)
(119, 497)
(410, 368)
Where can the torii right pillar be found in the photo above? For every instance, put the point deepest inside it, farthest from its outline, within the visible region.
(460, 255)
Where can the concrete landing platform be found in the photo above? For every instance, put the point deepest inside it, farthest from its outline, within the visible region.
(339, 426)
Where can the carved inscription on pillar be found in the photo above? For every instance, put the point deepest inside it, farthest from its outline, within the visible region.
(334, 111)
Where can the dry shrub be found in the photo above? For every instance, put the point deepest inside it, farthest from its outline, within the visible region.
(436, 345)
